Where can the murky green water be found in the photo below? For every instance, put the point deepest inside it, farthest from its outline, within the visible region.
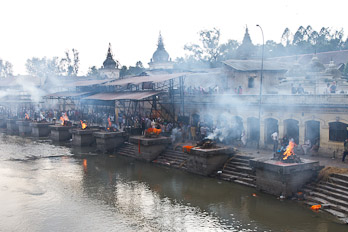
(51, 188)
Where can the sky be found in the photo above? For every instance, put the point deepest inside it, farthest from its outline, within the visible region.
(39, 28)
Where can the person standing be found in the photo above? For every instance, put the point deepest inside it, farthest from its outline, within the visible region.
(345, 152)
(275, 141)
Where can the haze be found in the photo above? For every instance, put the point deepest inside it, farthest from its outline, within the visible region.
(41, 28)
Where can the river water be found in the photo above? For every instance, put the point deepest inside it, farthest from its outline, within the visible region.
(45, 187)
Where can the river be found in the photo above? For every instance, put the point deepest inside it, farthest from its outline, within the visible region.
(46, 187)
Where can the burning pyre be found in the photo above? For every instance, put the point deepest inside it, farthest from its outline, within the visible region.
(288, 156)
(152, 132)
(203, 144)
(110, 128)
(65, 120)
(83, 125)
(26, 117)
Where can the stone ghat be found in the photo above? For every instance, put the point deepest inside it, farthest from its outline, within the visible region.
(206, 161)
(283, 179)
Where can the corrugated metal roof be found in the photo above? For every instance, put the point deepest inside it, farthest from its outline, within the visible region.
(90, 82)
(66, 94)
(255, 65)
(122, 96)
(140, 79)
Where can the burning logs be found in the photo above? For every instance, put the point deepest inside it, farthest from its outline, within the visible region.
(288, 156)
(206, 144)
(152, 132)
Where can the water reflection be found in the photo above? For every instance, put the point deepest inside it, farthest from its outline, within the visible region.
(47, 188)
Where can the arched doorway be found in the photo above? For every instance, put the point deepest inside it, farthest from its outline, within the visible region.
(271, 126)
(338, 131)
(237, 127)
(291, 129)
(253, 131)
(195, 120)
(312, 132)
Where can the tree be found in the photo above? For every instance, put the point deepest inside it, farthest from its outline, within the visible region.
(132, 70)
(5, 69)
(68, 66)
(228, 50)
(209, 50)
(93, 72)
(43, 67)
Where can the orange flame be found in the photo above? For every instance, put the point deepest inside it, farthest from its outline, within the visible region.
(26, 116)
(316, 207)
(289, 150)
(187, 148)
(83, 125)
(109, 121)
(84, 165)
(64, 118)
(153, 130)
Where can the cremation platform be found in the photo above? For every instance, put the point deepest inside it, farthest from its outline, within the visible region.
(12, 127)
(283, 179)
(24, 128)
(40, 129)
(60, 133)
(108, 141)
(149, 148)
(3, 123)
(82, 137)
(206, 161)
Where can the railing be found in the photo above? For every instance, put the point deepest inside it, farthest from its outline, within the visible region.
(267, 99)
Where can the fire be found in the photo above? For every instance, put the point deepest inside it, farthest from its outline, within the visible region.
(154, 131)
(316, 207)
(289, 150)
(109, 121)
(26, 116)
(187, 148)
(64, 118)
(83, 125)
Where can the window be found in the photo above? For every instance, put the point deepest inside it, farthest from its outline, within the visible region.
(337, 131)
(251, 82)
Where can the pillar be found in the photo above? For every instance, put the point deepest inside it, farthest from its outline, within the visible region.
(301, 135)
(262, 133)
(281, 128)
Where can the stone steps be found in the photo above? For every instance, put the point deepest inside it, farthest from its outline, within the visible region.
(341, 176)
(339, 181)
(337, 186)
(231, 177)
(333, 194)
(231, 171)
(126, 149)
(176, 159)
(237, 170)
(334, 200)
(329, 193)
